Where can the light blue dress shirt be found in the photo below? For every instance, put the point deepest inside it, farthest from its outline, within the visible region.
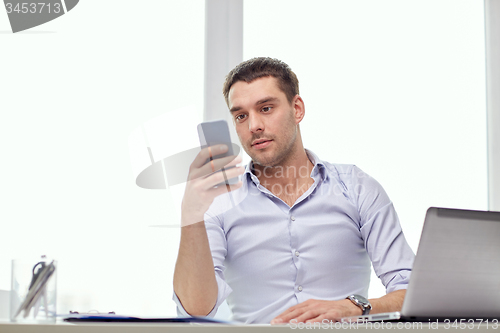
(269, 256)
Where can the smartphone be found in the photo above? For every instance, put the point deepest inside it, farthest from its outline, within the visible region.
(217, 132)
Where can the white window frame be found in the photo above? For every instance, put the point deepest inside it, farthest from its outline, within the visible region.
(492, 32)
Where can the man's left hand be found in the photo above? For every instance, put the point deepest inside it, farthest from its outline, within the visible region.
(314, 310)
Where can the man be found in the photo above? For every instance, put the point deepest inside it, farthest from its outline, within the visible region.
(301, 235)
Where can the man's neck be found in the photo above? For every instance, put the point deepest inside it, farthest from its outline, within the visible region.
(293, 172)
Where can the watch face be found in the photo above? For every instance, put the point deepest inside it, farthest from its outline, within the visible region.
(362, 302)
(361, 299)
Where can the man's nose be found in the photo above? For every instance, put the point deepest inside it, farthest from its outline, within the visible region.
(255, 124)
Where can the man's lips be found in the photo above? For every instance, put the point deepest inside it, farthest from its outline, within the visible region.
(261, 143)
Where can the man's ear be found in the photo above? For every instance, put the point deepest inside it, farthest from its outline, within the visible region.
(299, 108)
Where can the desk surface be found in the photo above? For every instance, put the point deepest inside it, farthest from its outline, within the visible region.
(7, 327)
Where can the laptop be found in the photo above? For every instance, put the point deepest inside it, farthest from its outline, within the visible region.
(456, 273)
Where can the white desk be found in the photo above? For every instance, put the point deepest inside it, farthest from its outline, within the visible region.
(137, 328)
(6, 327)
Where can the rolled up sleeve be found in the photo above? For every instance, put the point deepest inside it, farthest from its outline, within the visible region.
(390, 254)
(223, 292)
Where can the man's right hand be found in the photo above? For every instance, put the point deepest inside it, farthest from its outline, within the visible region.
(194, 277)
(200, 188)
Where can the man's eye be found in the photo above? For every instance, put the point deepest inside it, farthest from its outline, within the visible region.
(266, 109)
(240, 117)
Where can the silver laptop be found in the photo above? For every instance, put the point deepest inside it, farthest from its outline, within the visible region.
(456, 273)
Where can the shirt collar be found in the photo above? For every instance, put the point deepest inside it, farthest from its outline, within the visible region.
(319, 168)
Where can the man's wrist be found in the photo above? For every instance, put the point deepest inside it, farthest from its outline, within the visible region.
(353, 309)
(189, 219)
(361, 302)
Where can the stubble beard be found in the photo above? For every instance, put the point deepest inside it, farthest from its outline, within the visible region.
(283, 150)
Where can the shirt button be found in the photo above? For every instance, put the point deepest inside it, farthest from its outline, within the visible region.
(292, 218)
(297, 253)
(300, 288)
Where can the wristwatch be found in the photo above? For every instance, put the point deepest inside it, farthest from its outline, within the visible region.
(362, 302)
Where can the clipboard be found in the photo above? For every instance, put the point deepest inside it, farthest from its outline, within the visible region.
(111, 318)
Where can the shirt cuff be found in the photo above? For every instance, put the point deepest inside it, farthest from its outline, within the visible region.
(398, 281)
(223, 291)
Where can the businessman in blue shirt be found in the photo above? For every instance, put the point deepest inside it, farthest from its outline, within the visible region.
(295, 238)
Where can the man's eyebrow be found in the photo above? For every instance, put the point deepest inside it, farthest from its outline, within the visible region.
(262, 101)
(266, 100)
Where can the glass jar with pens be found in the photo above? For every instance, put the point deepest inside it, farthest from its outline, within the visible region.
(33, 291)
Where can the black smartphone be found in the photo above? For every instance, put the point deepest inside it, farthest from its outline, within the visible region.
(217, 132)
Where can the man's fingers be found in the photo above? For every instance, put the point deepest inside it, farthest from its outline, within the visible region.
(235, 160)
(218, 164)
(288, 315)
(309, 314)
(279, 319)
(220, 177)
(207, 183)
(310, 310)
(215, 165)
(205, 153)
(223, 189)
(318, 319)
(292, 309)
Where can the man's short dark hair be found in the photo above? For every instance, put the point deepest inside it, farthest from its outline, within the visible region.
(259, 67)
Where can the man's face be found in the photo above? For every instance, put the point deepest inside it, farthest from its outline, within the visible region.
(266, 123)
